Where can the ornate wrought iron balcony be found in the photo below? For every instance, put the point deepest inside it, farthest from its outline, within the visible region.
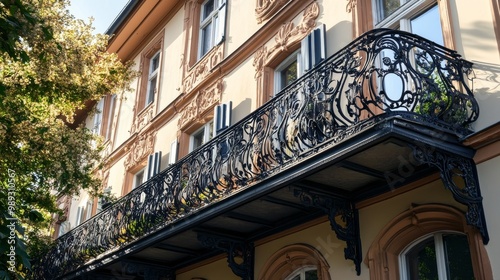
(383, 74)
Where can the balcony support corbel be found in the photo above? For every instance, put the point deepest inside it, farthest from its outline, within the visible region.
(336, 206)
(240, 254)
(459, 175)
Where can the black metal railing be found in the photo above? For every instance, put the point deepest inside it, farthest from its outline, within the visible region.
(384, 72)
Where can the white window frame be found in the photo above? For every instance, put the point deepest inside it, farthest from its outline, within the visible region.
(402, 16)
(440, 254)
(98, 117)
(152, 75)
(138, 182)
(295, 56)
(302, 272)
(205, 129)
(217, 18)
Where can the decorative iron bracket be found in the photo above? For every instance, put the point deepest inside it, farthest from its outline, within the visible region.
(240, 254)
(453, 167)
(335, 206)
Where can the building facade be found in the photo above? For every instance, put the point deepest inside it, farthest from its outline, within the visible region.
(295, 139)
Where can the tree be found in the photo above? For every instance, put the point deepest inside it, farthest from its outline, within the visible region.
(51, 64)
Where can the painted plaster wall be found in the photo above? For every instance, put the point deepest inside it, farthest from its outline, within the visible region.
(489, 178)
(240, 87)
(125, 110)
(171, 68)
(476, 41)
(240, 24)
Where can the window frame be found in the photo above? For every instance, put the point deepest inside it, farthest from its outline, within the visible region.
(153, 74)
(217, 18)
(135, 183)
(278, 80)
(410, 8)
(382, 257)
(155, 49)
(206, 128)
(440, 253)
(301, 271)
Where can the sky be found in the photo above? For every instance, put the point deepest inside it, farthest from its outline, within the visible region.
(103, 11)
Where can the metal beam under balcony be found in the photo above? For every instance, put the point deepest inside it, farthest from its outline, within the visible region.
(386, 110)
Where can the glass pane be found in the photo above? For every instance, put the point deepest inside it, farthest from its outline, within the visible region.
(155, 62)
(312, 275)
(289, 74)
(428, 25)
(458, 257)
(151, 92)
(207, 9)
(198, 139)
(421, 261)
(206, 43)
(387, 7)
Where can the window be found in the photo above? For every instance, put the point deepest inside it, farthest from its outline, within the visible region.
(139, 178)
(304, 273)
(154, 64)
(416, 16)
(288, 71)
(212, 25)
(312, 51)
(150, 80)
(103, 116)
(437, 256)
(296, 262)
(201, 136)
(411, 238)
(96, 128)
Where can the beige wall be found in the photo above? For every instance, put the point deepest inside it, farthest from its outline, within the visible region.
(212, 271)
(489, 178)
(476, 41)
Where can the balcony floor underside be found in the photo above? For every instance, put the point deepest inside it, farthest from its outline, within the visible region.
(372, 162)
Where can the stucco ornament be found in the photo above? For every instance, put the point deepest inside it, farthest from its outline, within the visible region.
(140, 149)
(267, 8)
(198, 106)
(287, 35)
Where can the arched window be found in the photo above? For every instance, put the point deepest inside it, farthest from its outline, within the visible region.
(412, 237)
(296, 262)
(304, 273)
(440, 255)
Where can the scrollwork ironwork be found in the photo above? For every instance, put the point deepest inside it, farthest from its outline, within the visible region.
(240, 254)
(328, 105)
(459, 175)
(346, 229)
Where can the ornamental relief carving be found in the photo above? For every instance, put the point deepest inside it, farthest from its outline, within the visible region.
(267, 8)
(143, 119)
(205, 100)
(287, 35)
(202, 68)
(140, 149)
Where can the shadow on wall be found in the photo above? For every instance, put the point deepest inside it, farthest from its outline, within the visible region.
(486, 88)
(242, 110)
(480, 37)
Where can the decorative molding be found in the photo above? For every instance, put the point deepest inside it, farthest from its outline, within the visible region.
(264, 9)
(201, 70)
(140, 149)
(200, 104)
(383, 255)
(287, 36)
(143, 118)
(286, 260)
(351, 5)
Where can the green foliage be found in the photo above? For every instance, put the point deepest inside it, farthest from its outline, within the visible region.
(50, 65)
(443, 104)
